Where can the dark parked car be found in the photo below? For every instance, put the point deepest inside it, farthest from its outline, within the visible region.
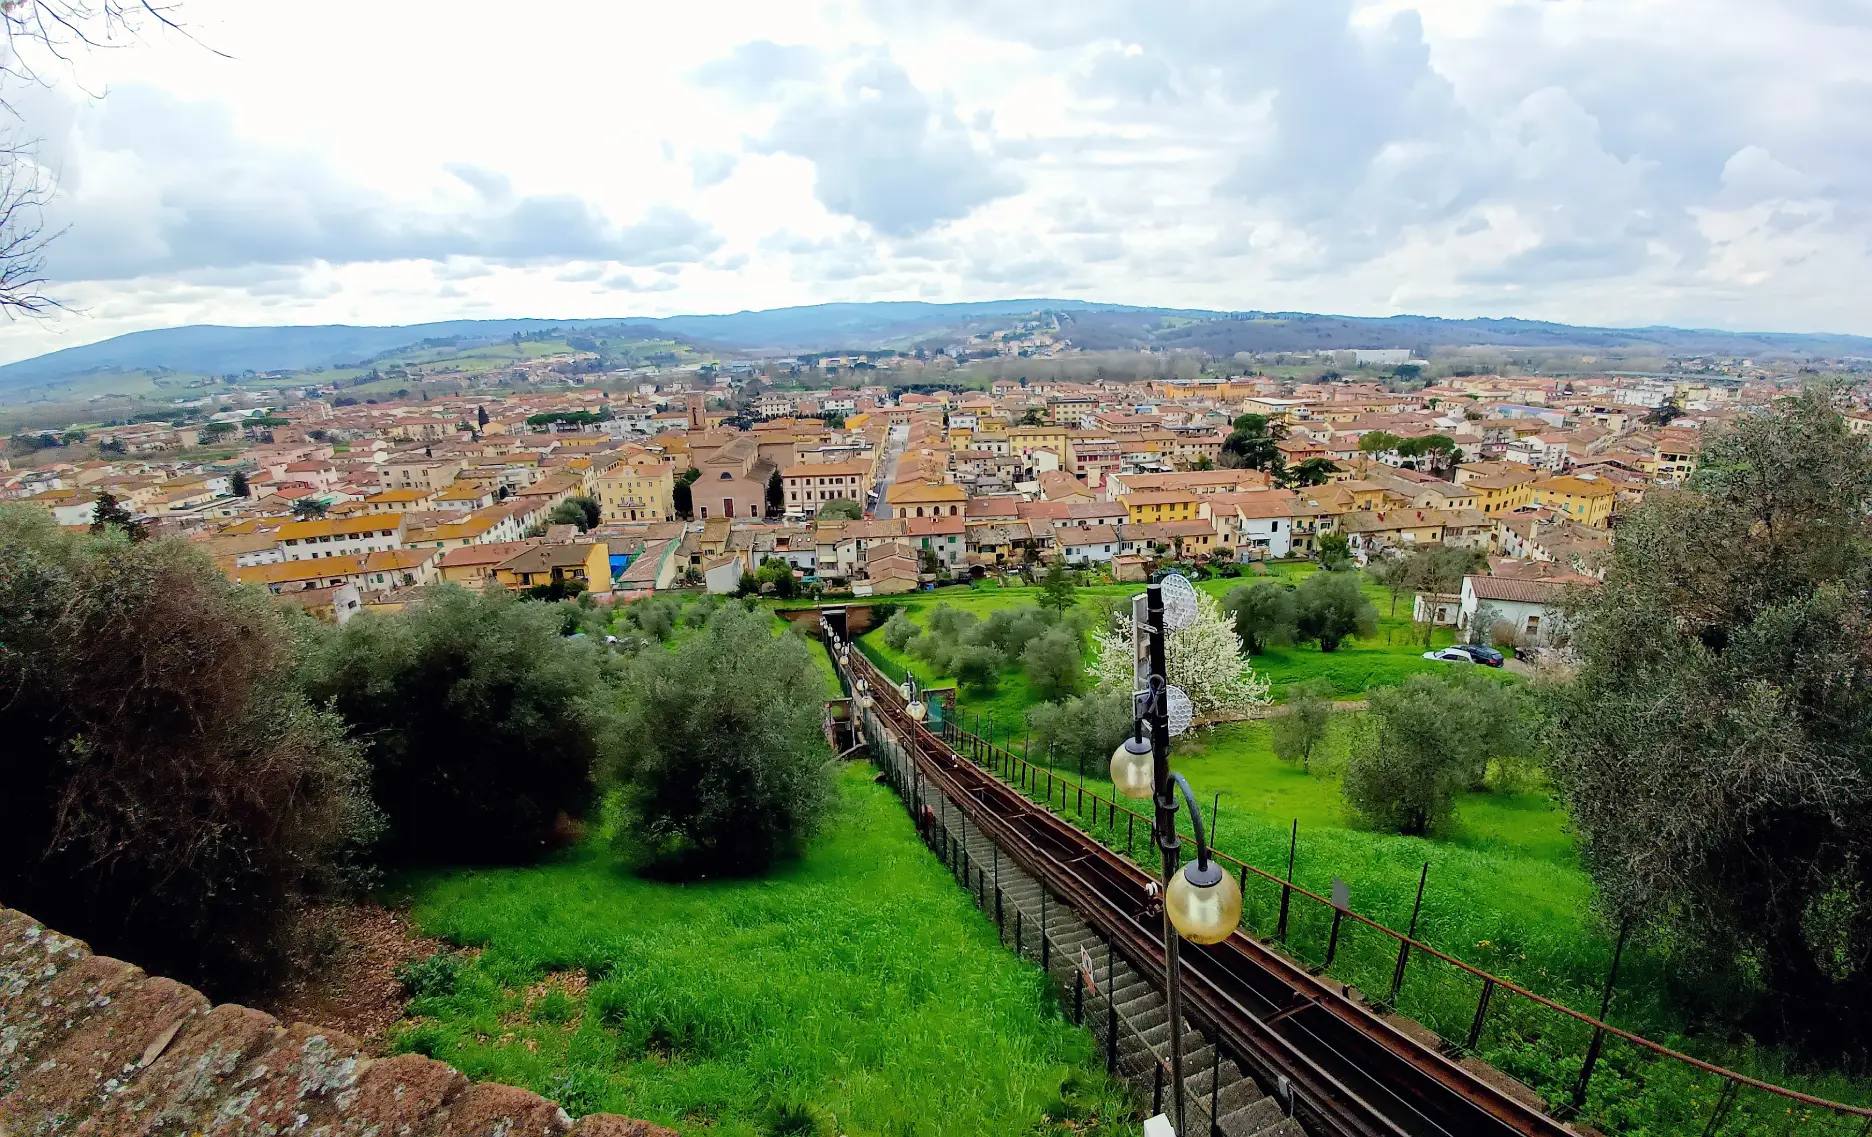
(1483, 655)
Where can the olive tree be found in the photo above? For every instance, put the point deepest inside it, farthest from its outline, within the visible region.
(1715, 746)
(726, 771)
(1330, 608)
(1264, 614)
(1298, 733)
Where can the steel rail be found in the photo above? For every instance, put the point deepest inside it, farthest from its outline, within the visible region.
(1349, 1070)
(1501, 984)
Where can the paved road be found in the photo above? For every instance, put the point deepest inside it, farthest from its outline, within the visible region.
(894, 443)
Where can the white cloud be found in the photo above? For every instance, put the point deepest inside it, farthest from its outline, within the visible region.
(1691, 161)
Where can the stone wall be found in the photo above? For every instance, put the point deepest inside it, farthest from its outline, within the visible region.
(92, 1045)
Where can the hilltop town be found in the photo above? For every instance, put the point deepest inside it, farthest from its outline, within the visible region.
(701, 475)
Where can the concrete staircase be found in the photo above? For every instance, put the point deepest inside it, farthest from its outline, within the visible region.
(1027, 920)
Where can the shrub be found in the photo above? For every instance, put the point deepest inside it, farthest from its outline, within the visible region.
(168, 794)
(899, 630)
(483, 722)
(978, 667)
(430, 976)
(726, 771)
(654, 615)
(1082, 731)
(1433, 737)
(1010, 630)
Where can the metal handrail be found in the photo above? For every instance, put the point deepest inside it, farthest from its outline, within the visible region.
(1115, 807)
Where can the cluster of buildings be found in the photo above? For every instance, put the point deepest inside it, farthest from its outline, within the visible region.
(341, 507)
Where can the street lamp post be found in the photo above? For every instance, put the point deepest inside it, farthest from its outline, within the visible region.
(1201, 902)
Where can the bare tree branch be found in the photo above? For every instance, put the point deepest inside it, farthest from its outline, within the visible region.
(54, 29)
(59, 27)
(24, 192)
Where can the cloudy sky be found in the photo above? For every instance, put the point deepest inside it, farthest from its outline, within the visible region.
(1696, 162)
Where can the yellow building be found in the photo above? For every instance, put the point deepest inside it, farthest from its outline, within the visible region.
(1025, 439)
(1499, 487)
(1163, 505)
(924, 499)
(587, 562)
(1585, 500)
(638, 493)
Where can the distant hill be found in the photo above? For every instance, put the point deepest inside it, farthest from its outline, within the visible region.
(213, 350)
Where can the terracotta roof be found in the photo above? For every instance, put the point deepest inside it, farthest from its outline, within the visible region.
(1516, 591)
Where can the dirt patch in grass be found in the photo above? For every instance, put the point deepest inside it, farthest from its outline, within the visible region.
(352, 986)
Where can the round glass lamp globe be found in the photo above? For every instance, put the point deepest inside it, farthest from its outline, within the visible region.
(1205, 906)
(917, 710)
(1132, 771)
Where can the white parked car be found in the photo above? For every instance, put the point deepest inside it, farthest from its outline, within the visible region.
(1449, 655)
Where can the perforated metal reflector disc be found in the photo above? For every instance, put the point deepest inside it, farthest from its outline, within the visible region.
(1179, 600)
(1182, 711)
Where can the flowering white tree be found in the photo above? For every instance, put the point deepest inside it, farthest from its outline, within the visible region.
(1205, 659)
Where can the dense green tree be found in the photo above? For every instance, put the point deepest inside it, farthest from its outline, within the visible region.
(169, 795)
(237, 484)
(108, 514)
(1436, 452)
(1715, 746)
(726, 772)
(841, 509)
(481, 417)
(1253, 444)
(1335, 551)
(1058, 591)
(776, 575)
(1312, 472)
(776, 494)
(483, 723)
(1265, 614)
(1330, 607)
(1664, 413)
(310, 508)
(581, 511)
(899, 630)
(682, 496)
(977, 667)
(1434, 738)
(1378, 442)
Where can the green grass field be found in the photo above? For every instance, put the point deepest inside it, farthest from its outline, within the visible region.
(859, 983)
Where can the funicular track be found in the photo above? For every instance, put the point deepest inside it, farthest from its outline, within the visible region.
(1329, 1063)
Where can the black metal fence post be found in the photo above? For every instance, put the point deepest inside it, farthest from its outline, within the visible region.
(1598, 1037)
(1293, 841)
(1481, 1013)
(1403, 955)
(1046, 945)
